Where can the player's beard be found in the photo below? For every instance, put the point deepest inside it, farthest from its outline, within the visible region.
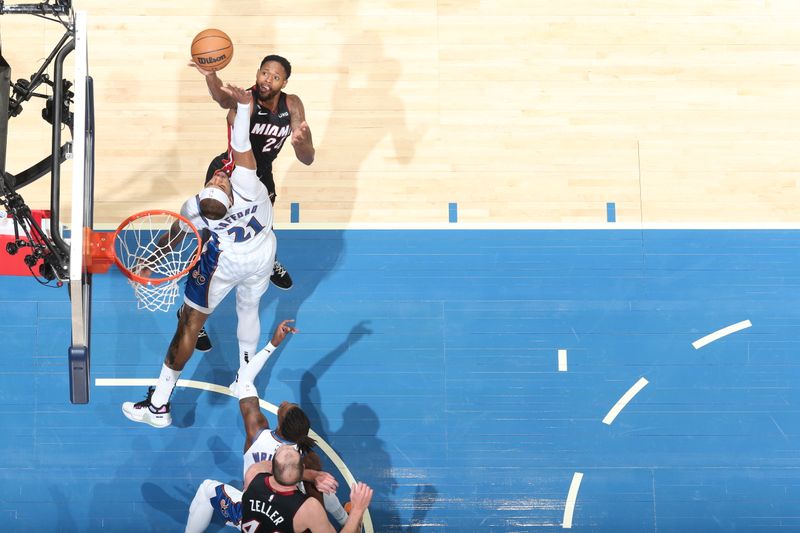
(264, 96)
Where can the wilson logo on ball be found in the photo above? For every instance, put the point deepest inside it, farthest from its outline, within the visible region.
(210, 60)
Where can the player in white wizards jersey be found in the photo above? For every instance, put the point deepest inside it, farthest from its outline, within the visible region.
(260, 445)
(237, 212)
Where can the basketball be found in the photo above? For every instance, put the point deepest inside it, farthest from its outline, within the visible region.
(212, 49)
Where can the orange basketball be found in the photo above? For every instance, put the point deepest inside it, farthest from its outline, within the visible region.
(212, 49)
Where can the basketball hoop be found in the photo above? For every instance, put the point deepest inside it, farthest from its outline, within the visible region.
(154, 249)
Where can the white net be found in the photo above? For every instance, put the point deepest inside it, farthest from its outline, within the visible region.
(156, 250)
(155, 297)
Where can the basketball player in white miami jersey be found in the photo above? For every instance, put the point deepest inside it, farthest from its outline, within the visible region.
(239, 254)
(260, 445)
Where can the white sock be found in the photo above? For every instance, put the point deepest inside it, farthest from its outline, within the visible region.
(334, 507)
(244, 357)
(166, 382)
(248, 372)
(248, 329)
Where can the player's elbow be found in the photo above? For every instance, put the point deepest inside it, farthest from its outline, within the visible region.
(306, 158)
(223, 100)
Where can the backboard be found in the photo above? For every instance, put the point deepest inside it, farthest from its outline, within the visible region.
(80, 281)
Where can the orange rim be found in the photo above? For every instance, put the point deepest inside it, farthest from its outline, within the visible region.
(148, 281)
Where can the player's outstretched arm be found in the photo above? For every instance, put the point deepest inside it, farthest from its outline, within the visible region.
(164, 246)
(323, 481)
(312, 473)
(301, 134)
(215, 87)
(240, 136)
(360, 496)
(311, 516)
(254, 420)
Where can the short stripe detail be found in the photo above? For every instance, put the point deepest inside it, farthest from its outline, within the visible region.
(453, 212)
(611, 212)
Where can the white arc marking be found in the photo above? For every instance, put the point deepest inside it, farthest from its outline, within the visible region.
(572, 496)
(733, 328)
(622, 402)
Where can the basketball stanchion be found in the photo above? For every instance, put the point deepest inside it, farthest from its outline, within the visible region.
(154, 249)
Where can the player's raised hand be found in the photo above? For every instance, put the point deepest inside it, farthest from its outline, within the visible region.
(326, 483)
(360, 495)
(301, 134)
(141, 269)
(242, 96)
(281, 331)
(200, 69)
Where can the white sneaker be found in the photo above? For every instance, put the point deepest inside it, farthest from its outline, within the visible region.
(145, 412)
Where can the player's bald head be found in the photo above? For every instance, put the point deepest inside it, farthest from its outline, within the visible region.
(287, 465)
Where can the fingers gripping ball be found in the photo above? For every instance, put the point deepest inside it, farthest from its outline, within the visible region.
(212, 49)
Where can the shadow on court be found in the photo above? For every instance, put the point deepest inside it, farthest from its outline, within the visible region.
(365, 87)
(357, 442)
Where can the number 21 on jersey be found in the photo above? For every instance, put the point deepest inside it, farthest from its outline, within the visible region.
(241, 234)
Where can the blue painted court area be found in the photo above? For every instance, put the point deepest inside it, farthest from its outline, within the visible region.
(429, 361)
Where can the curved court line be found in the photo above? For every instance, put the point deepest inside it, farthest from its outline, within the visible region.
(622, 402)
(572, 496)
(733, 328)
(219, 389)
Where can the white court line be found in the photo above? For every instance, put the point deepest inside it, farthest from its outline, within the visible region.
(110, 226)
(562, 360)
(572, 496)
(622, 402)
(219, 389)
(733, 328)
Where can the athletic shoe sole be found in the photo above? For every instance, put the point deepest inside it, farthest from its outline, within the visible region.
(146, 420)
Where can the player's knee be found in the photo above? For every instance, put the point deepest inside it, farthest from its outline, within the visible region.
(208, 487)
(247, 302)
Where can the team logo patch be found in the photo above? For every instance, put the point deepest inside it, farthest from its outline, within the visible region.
(230, 510)
(201, 279)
